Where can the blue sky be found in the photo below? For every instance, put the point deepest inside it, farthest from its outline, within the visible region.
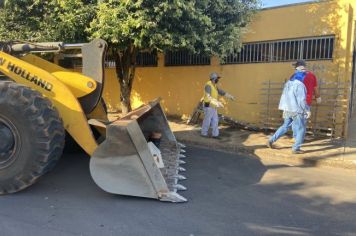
(273, 3)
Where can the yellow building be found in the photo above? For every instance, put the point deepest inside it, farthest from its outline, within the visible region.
(322, 33)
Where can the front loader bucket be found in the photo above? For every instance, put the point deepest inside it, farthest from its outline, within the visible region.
(127, 164)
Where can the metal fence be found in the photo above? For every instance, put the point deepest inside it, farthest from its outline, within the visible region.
(143, 59)
(328, 118)
(185, 58)
(314, 48)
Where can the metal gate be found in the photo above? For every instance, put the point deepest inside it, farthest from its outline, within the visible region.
(328, 118)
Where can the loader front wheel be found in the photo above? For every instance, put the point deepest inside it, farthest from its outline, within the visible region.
(32, 136)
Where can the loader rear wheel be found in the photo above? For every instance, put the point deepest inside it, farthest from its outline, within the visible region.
(32, 136)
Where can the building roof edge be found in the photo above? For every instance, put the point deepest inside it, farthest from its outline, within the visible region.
(295, 4)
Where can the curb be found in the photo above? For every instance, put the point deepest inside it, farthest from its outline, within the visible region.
(337, 159)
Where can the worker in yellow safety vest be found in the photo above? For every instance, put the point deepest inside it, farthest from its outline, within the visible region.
(211, 103)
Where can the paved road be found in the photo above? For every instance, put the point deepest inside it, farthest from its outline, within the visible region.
(228, 195)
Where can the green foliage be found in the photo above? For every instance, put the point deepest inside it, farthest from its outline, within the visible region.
(213, 27)
(53, 20)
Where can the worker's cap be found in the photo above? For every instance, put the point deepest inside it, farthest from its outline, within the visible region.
(214, 76)
(299, 63)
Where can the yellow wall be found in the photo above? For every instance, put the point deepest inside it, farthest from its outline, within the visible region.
(181, 87)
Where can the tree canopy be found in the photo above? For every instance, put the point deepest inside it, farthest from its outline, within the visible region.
(212, 27)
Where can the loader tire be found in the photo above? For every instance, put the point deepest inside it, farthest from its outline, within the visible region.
(32, 136)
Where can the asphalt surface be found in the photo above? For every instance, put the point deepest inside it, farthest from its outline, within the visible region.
(228, 195)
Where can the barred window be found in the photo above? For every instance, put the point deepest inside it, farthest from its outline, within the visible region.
(185, 58)
(143, 59)
(75, 60)
(316, 48)
(147, 59)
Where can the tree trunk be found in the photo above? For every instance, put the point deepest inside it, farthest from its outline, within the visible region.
(125, 71)
(125, 98)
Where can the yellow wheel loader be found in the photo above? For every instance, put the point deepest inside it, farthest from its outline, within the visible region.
(40, 102)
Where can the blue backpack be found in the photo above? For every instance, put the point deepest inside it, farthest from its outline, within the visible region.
(299, 75)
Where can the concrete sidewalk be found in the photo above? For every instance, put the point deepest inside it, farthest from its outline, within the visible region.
(318, 152)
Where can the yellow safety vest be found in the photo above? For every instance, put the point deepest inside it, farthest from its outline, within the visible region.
(214, 92)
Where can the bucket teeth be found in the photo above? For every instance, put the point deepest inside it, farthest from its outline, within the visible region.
(180, 177)
(181, 145)
(181, 156)
(180, 187)
(171, 155)
(181, 162)
(172, 197)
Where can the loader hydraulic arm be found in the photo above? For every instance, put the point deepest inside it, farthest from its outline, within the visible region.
(93, 55)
